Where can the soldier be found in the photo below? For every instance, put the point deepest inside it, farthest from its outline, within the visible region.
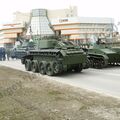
(98, 41)
(0, 53)
(13, 53)
(3, 54)
(8, 53)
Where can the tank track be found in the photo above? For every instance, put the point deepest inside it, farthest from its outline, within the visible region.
(97, 61)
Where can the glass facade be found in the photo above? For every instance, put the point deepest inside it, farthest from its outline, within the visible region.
(40, 25)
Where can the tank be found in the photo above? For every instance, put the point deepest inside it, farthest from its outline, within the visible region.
(53, 57)
(115, 46)
(101, 56)
(117, 50)
(21, 50)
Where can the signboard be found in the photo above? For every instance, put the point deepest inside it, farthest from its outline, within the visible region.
(63, 20)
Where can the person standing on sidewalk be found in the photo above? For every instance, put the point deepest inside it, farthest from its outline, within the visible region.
(8, 53)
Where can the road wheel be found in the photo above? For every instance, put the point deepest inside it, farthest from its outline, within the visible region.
(28, 65)
(42, 67)
(101, 64)
(78, 68)
(22, 60)
(49, 69)
(56, 67)
(91, 64)
(34, 66)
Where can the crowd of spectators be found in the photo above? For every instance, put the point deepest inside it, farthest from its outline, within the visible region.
(5, 54)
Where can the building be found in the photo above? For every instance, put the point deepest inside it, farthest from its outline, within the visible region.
(81, 29)
(20, 17)
(58, 13)
(62, 13)
(65, 22)
(9, 33)
(38, 24)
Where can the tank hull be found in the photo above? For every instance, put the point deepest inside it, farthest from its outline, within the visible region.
(54, 61)
(101, 58)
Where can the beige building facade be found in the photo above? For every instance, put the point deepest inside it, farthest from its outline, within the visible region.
(20, 17)
(62, 13)
(65, 22)
(82, 29)
(9, 33)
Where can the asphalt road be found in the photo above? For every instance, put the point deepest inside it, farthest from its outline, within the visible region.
(105, 81)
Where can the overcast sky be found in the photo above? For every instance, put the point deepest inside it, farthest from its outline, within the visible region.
(86, 8)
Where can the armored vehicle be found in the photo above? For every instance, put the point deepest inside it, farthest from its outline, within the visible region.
(21, 50)
(101, 56)
(54, 57)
